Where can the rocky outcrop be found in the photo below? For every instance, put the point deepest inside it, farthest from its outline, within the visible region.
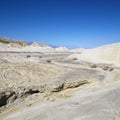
(9, 96)
(8, 41)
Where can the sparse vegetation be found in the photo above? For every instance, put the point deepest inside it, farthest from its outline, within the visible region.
(111, 69)
(49, 61)
(105, 68)
(93, 65)
(108, 68)
(28, 56)
(40, 56)
(74, 58)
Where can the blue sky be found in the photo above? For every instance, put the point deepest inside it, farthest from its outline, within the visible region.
(70, 23)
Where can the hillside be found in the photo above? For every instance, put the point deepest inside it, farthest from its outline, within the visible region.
(103, 54)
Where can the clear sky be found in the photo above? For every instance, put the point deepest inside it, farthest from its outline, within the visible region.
(70, 23)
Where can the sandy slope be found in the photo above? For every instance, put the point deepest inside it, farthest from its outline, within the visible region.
(104, 54)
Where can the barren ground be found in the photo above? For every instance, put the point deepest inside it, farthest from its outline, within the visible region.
(49, 86)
